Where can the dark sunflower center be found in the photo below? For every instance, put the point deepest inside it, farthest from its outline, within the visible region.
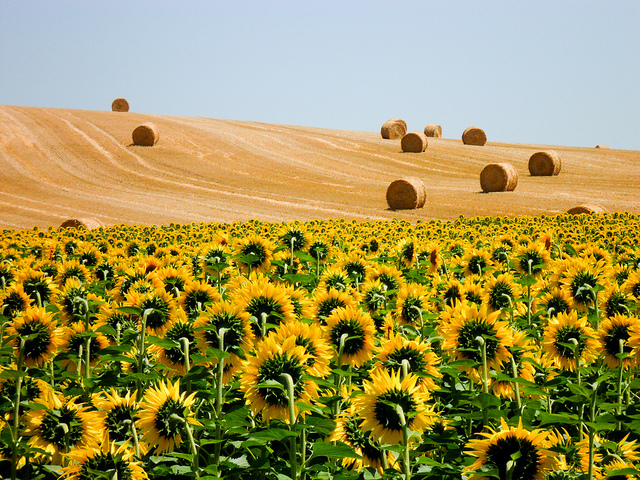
(407, 252)
(264, 306)
(617, 303)
(565, 335)
(612, 340)
(337, 281)
(73, 272)
(558, 304)
(255, 250)
(635, 290)
(326, 307)
(14, 303)
(500, 296)
(178, 331)
(533, 258)
(52, 431)
(298, 238)
(414, 357)
(451, 295)
(272, 369)
(120, 431)
(35, 286)
(355, 336)
(385, 411)
(309, 348)
(389, 281)
(234, 334)
(582, 285)
(195, 301)
(166, 426)
(467, 340)
(411, 308)
(37, 345)
(526, 467)
(105, 462)
(359, 439)
(172, 283)
(89, 259)
(356, 271)
(473, 297)
(319, 250)
(476, 264)
(159, 316)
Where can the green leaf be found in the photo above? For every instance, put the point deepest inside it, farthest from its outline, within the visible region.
(329, 450)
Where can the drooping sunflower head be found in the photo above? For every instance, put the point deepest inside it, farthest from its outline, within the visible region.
(109, 457)
(566, 338)
(500, 293)
(253, 254)
(525, 453)
(389, 276)
(74, 341)
(196, 296)
(553, 302)
(351, 331)
(356, 268)
(162, 416)
(334, 277)
(406, 252)
(615, 301)
(120, 414)
(476, 262)
(632, 285)
(270, 361)
(573, 456)
(524, 352)
(174, 279)
(582, 279)
(71, 301)
(531, 259)
(157, 309)
(37, 285)
(312, 338)
(614, 334)
(389, 401)
(325, 303)
(14, 300)
(73, 269)
(182, 333)
(295, 236)
(39, 331)
(412, 304)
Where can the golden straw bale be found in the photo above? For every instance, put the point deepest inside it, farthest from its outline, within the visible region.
(545, 163)
(432, 130)
(498, 177)
(602, 146)
(145, 135)
(120, 105)
(86, 223)
(406, 193)
(415, 142)
(587, 208)
(474, 136)
(393, 128)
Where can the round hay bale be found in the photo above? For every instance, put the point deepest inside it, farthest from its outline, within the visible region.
(587, 208)
(145, 135)
(474, 136)
(86, 223)
(545, 163)
(393, 128)
(415, 142)
(432, 130)
(406, 193)
(498, 177)
(120, 105)
(602, 146)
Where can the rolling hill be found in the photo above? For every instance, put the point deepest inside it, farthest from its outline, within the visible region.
(58, 164)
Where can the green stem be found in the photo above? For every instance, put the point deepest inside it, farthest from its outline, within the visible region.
(219, 397)
(343, 339)
(16, 413)
(192, 443)
(620, 377)
(142, 352)
(516, 386)
(184, 344)
(406, 367)
(288, 380)
(406, 465)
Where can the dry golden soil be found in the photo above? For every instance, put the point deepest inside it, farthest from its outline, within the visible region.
(59, 164)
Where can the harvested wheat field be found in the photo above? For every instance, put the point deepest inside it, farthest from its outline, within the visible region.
(60, 164)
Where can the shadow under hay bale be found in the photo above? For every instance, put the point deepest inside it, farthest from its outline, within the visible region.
(86, 223)
(587, 208)
(406, 193)
(393, 128)
(414, 142)
(432, 130)
(145, 135)
(603, 147)
(120, 105)
(545, 163)
(498, 177)
(474, 136)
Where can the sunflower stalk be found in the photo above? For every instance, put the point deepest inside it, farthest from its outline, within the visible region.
(142, 353)
(184, 345)
(406, 465)
(592, 432)
(291, 399)
(343, 340)
(620, 377)
(485, 378)
(516, 386)
(87, 343)
(529, 299)
(406, 367)
(16, 412)
(419, 310)
(219, 397)
(192, 443)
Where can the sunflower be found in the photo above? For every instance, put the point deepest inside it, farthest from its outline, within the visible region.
(196, 296)
(356, 268)
(117, 460)
(319, 249)
(553, 302)
(476, 262)
(421, 359)
(32, 388)
(334, 277)
(160, 308)
(131, 276)
(500, 293)
(294, 237)
(311, 337)
(431, 255)
(614, 334)
(389, 276)
(460, 328)
(566, 335)
(374, 296)
(302, 305)
(453, 292)
(14, 300)
(89, 255)
(525, 453)
(615, 301)
(573, 456)
(175, 357)
(473, 291)
(268, 304)
(531, 259)
(74, 340)
(44, 333)
(60, 424)
(582, 278)
(238, 337)
(378, 405)
(611, 470)
(120, 414)
(122, 323)
(174, 279)
(270, 360)
(71, 301)
(253, 254)
(73, 269)
(162, 411)
(524, 353)
(325, 303)
(359, 329)
(37, 285)
(348, 431)
(631, 285)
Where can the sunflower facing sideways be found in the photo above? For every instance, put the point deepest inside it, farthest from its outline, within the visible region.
(517, 453)
(120, 414)
(41, 334)
(272, 359)
(378, 406)
(161, 419)
(109, 457)
(311, 337)
(565, 337)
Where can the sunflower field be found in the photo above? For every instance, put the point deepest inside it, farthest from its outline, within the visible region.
(478, 348)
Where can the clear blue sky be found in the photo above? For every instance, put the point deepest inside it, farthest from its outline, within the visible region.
(553, 72)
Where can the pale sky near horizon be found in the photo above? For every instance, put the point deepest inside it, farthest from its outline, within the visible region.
(551, 72)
